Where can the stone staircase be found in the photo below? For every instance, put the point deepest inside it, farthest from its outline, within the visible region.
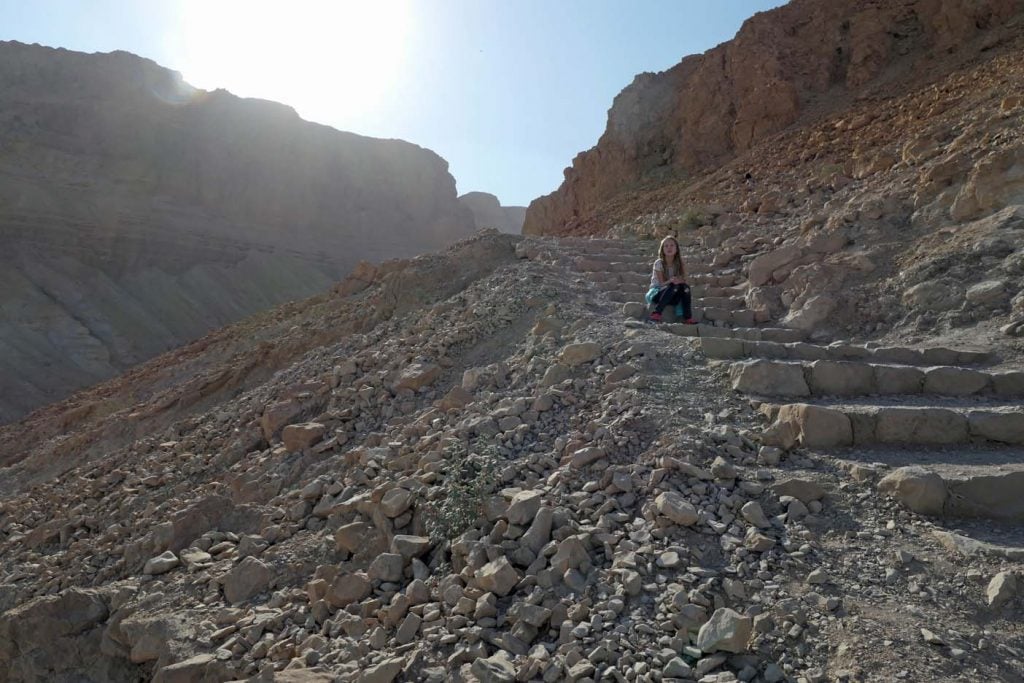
(943, 434)
(947, 431)
(620, 271)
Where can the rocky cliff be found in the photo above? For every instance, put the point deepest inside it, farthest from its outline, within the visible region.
(137, 213)
(489, 213)
(785, 65)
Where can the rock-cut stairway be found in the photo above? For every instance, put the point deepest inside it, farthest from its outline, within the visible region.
(620, 271)
(951, 429)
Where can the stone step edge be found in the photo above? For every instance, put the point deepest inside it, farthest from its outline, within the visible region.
(710, 331)
(765, 377)
(835, 426)
(738, 317)
(971, 547)
(985, 491)
(803, 351)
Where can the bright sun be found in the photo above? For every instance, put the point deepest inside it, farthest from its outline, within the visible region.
(330, 60)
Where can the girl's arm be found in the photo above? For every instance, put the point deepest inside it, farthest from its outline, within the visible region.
(681, 278)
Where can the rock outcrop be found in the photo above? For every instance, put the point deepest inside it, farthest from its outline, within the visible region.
(792, 62)
(489, 213)
(138, 213)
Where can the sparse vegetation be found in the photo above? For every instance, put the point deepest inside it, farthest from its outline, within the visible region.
(471, 477)
(691, 218)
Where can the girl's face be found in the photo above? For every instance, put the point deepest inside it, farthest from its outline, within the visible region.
(671, 248)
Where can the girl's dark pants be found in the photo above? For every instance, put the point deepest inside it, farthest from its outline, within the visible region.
(673, 295)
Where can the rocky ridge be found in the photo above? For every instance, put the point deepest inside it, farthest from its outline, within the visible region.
(513, 481)
(489, 213)
(138, 213)
(784, 70)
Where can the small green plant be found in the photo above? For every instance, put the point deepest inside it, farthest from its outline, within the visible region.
(470, 478)
(692, 218)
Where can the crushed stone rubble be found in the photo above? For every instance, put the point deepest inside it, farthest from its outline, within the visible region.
(505, 485)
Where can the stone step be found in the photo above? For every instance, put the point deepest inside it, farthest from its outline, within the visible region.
(839, 425)
(713, 331)
(697, 300)
(617, 292)
(841, 351)
(851, 378)
(737, 318)
(963, 482)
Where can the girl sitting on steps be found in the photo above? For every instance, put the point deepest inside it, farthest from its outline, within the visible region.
(668, 283)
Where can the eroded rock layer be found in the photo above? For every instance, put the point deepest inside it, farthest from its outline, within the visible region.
(784, 65)
(137, 213)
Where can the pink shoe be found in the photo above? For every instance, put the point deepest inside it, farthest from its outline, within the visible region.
(655, 317)
(689, 321)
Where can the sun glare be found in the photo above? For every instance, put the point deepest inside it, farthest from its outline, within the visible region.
(331, 61)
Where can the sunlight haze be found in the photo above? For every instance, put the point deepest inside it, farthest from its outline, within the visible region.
(507, 92)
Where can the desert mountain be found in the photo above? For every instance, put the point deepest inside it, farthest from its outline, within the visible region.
(784, 67)
(481, 464)
(489, 213)
(137, 213)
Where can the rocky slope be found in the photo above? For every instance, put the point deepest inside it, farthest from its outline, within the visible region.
(784, 67)
(479, 465)
(137, 213)
(504, 479)
(489, 213)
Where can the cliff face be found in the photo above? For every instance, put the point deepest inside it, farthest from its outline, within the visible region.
(137, 213)
(489, 213)
(712, 106)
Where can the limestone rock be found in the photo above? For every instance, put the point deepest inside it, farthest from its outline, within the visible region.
(161, 564)
(726, 631)
(248, 578)
(202, 668)
(523, 507)
(577, 354)
(1001, 589)
(769, 378)
(410, 546)
(277, 415)
(803, 490)
(675, 507)
(498, 577)
(348, 588)
(418, 375)
(297, 437)
(922, 491)
(816, 426)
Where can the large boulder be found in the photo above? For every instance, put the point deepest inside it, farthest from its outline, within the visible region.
(675, 507)
(726, 631)
(498, 577)
(922, 491)
(248, 578)
(577, 354)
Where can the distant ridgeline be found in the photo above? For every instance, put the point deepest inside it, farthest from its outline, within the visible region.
(138, 213)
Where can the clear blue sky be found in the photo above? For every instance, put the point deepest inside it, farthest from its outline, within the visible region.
(508, 92)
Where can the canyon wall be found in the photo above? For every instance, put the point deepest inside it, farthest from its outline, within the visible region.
(138, 213)
(489, 213)
(710, 107)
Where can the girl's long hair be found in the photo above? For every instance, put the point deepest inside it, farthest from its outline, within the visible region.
(678, 257)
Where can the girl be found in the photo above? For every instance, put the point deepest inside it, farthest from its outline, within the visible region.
(668, 283)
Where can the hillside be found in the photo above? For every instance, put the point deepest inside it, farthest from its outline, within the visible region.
(481, 464)
(137, 213)
(784, 69)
